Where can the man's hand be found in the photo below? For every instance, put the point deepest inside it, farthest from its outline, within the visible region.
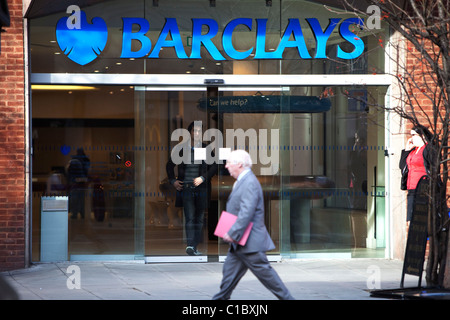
(178, 185)
(227, 238)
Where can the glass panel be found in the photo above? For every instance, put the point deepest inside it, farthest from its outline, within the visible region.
(49, 56)
(333, 173)
(250, 120)
(198, 36)
(214, 59)
(323, 178)
(175, 221)
(99, 122)
(138, 54)
(318, 153)
(325, 59)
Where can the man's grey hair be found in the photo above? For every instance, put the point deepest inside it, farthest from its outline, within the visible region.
(240, 157)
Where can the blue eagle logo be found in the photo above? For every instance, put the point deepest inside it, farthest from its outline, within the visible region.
(85, 43)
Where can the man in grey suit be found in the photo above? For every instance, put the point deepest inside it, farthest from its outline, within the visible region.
(246, 201)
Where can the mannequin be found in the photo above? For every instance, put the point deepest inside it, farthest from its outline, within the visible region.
(416, 157)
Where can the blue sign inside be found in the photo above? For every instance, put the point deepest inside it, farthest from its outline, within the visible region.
(85, 43)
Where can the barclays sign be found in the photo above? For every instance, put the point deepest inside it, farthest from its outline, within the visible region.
(83, 42)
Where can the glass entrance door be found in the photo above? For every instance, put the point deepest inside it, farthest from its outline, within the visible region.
(250, 119)
(175, 202)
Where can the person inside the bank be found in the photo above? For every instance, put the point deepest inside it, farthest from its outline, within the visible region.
(78, 180)
(193, 185)
(415, 162)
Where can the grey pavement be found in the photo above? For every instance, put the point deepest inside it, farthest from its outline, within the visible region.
(324, 279)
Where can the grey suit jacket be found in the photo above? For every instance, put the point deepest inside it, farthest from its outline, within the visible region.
(247, 203)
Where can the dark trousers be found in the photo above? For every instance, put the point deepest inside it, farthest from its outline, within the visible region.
(410, 203)
(236, 265)
(76, 202)
(194, 203)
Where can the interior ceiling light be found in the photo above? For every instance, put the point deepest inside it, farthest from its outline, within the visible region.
(62, 87)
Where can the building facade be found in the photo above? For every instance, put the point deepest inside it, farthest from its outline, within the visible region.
(99, 94)
(13, 212)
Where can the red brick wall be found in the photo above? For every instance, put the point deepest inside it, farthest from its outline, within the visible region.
(424, 81)
(418, 78)
(12, 142)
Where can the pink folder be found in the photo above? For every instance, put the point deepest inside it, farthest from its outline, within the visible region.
(226, 221)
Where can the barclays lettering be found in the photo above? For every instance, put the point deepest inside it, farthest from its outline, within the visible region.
(293, 28)
(83, 42)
